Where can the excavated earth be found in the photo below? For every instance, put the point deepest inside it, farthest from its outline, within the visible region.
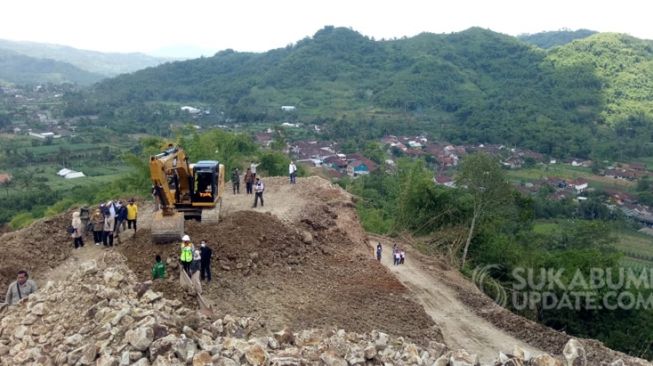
(290, 276)
(36, 249)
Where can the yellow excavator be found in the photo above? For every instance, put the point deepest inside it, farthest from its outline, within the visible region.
(184, 191)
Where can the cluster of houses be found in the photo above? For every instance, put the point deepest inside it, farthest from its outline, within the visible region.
(326, 155)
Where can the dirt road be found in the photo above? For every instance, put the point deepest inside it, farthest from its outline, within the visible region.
(460, 327)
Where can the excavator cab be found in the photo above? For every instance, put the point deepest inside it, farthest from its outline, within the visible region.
(205, 177)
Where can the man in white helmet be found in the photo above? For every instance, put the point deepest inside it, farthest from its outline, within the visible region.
(186, 255)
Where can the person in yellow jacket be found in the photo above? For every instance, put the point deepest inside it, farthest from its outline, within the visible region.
(132, 214)
(186, 255)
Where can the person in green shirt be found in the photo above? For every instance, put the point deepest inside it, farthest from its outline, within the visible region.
(159, 268)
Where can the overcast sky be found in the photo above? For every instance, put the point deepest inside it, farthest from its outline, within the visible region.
(260, 25)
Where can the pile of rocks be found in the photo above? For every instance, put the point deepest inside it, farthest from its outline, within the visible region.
(102, 316)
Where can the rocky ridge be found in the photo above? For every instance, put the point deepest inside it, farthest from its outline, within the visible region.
(102, 316)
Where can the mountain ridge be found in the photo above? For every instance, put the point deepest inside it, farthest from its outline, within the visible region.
(105, 63)
(474, 86)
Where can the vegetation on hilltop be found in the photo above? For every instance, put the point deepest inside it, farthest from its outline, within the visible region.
(555, 38)
(588, 98)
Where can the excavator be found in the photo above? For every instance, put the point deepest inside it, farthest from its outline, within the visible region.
(185, 191)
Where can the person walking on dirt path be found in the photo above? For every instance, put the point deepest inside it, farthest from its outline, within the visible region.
(76, 224)
(379, 251)
(235, 180)
(292, 171)
(402, 256)
(205, 265)
(97, 220)
(259, 187)
(397, 257)
(159, 268)
(249, 181)
(20, 289)
(186, 255)
(109, 226)
(132, 215)
(252, 167)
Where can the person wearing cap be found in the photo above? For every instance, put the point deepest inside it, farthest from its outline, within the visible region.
(186, 256)
(20, 289)
(205, 265)
(132, 215)
(259, 187)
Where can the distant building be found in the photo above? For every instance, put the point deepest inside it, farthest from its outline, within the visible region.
(288, 124)
(444, 181)
(70, 174)
(191, 110)
(5, 178)
(288, 108)
(44, 135)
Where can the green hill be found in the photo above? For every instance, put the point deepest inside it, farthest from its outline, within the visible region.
(21, 69)
(588, 97)
(106, 64)
(555, 38)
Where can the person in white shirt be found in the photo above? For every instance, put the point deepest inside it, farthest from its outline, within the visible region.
(252, 168)
(292, 170)
(259, 187)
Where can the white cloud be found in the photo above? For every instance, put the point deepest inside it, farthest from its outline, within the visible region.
(259, 25)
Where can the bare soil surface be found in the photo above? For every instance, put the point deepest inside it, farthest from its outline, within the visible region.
(300, 261)
(469, 319)
(37, 249)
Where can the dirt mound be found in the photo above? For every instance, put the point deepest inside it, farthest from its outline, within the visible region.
(292, 276)
(36, 249)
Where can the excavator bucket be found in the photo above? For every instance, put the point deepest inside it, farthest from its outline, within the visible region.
(196, 287)
(167, 228)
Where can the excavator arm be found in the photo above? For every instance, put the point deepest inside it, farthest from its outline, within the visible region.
(171, 177)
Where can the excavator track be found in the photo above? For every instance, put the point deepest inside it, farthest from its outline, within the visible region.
(212, 216)
(167, 229)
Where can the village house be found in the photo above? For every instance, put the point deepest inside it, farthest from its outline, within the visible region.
(5, 178)
(263, 138)
(621, 173)
(579, 184)
(312, 149)
(359, 165)
(444, 180)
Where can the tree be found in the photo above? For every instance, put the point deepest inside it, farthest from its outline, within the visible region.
(482, 177)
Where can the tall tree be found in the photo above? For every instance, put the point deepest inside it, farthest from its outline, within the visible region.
(482, 177)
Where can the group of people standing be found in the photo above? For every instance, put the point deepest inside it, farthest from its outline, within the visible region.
(107, 220)
(194, 260)
(253, 184)
(398, 255)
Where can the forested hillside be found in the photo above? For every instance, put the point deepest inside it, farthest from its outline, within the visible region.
(588, 98)
(555, 38)
(21, 69)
